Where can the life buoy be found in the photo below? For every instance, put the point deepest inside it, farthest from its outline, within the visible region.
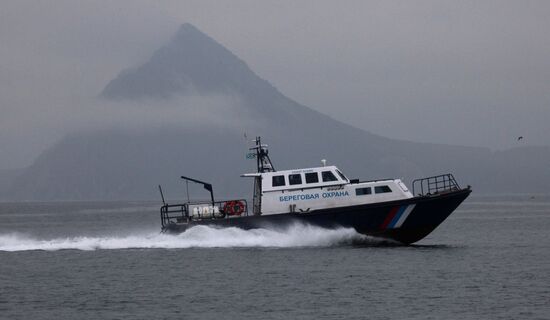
(233, 208)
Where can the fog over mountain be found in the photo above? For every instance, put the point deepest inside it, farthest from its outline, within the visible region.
(204, 105)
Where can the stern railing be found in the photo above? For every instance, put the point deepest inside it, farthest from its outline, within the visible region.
(173, 213)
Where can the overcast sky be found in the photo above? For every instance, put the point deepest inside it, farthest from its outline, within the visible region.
(457, 72)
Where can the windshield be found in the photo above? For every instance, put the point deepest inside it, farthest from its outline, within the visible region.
(341, 175)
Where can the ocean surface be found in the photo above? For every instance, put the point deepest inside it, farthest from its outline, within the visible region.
(107, 260)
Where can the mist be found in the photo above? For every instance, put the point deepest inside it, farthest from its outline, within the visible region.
(465, 73)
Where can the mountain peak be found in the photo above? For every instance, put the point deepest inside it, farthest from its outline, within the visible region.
(187, 32)
(190, 61)
(187, 28)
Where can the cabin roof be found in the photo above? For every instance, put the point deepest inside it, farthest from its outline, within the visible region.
(291, 171)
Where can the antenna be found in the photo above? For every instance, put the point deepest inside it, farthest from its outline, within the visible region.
(162, 195)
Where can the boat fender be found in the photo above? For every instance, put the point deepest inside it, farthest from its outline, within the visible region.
(206, 212)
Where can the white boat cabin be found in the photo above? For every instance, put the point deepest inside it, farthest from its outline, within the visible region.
(305, 190)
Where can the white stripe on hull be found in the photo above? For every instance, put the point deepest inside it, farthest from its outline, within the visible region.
(404, 216)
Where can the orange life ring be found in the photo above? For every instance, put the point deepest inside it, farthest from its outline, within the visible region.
(233, 208)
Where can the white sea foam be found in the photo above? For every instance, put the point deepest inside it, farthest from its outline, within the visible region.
(196, 237)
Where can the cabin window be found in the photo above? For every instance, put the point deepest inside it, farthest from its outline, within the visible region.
(341, 175)
(328, 176)
(363, 191)
(294, 179)
(382, 189)
(312, 177)
(278, 181)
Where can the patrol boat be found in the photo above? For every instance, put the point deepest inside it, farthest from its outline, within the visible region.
(325, 197)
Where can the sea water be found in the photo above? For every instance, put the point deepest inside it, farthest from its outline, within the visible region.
(108, 260)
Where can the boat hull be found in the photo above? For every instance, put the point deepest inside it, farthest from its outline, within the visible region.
(406, 221)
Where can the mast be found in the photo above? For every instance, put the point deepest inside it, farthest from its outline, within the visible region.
(262, 157)
(264, 164)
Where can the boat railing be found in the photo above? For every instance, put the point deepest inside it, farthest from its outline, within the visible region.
(173, 213)
(202, 210)
(435, 185)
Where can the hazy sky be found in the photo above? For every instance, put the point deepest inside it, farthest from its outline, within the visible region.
(457, 72)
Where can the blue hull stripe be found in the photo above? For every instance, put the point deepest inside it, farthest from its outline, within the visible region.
(397, 216)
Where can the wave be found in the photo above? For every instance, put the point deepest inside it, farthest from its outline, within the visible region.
(196, 237)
